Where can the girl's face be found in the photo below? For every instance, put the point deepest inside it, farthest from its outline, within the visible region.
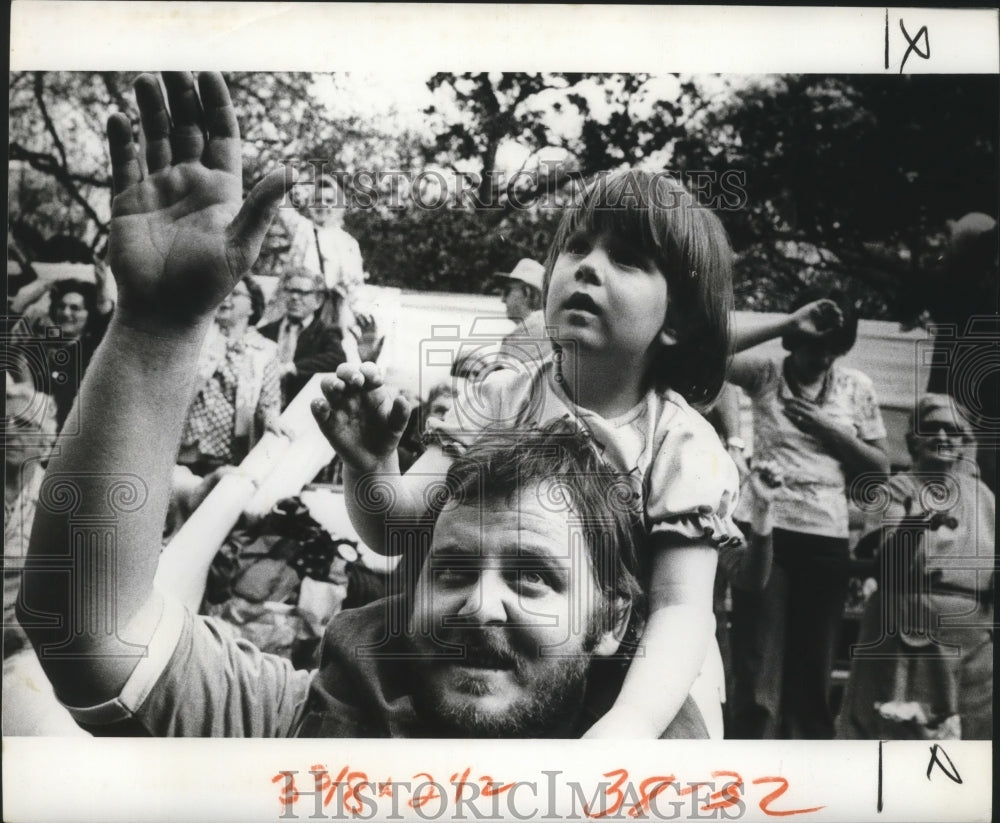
(71, 315)
(605, 295)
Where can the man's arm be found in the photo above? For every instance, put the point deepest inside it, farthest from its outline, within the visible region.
(816, 319)
(179, 241)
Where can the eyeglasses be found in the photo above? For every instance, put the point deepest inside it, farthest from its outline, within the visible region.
(949, 429)
(299, 292)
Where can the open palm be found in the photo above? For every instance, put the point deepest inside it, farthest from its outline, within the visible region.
(180, 234)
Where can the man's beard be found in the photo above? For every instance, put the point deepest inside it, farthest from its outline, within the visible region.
(549, 705)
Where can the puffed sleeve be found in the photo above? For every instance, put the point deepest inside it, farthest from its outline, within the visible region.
(693, 485)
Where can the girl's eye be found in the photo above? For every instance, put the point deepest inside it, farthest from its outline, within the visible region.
(577, 244)
(626, 258)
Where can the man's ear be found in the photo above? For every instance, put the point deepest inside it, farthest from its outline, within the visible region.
(610, 640)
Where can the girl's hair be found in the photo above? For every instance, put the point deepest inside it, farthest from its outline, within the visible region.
(88, 291)
(655, 213)
(257, 300)
(840, 340)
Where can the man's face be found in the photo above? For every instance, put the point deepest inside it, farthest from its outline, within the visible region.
(517, 299)
(812, 359)
(506, 615)
(301, 298)
(941, 444)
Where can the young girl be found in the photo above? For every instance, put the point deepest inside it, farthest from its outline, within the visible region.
(637, 297)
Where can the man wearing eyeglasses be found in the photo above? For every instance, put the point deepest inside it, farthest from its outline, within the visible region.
(307, 344)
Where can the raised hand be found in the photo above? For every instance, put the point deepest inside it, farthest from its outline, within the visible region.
(817, 319)
(369, 342)
(362, 419)
(181, 234)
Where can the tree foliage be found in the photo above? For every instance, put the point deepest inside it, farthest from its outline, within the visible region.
(847, 180)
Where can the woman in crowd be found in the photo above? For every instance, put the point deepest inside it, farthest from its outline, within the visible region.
(819, 423)
(240, 394)
(73, 310)
(923, 665)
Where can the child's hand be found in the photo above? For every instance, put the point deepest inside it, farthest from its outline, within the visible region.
(181, 235)
(361, 418)
(816, 319)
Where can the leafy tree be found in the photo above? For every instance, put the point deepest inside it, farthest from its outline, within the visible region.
(849, 181)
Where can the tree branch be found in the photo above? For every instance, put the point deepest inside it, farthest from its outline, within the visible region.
(48, 164)
(49, 125)
(114, 92)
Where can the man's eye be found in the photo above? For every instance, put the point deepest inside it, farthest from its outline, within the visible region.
(534, 581)
(453, 577)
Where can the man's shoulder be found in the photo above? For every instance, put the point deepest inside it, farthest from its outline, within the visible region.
(270, 330)
(358, 691)
(350, 625)
(357, 640)
(321, 327)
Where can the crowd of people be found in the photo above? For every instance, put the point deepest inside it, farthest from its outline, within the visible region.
(589, 488)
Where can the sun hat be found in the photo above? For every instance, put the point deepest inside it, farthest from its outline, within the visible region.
(527, 271)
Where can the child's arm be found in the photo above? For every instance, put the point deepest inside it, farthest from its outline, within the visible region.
(364, 421)
(815, 319)
(674, 642)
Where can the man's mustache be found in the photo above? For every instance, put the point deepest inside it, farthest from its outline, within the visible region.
(483, 647)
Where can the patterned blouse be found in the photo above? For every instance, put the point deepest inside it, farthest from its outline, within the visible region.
(240, 386)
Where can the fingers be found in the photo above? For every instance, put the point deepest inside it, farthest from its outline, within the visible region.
(187, 141)
(399, 415)
(223, 150)
(249, 227)
(125, 167)
(179, 135)
(155, 122)
(366, 376)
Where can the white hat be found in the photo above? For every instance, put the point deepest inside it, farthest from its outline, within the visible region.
(527, 271)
